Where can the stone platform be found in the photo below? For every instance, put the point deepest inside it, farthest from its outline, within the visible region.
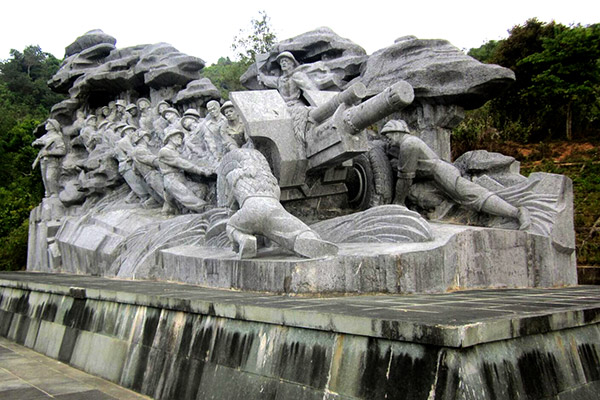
(131, 244)
(176, 341)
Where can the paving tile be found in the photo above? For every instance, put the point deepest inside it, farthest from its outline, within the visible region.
(87, 395)
(29, 393)
(13, 383)
(60, 385)
(43, 378)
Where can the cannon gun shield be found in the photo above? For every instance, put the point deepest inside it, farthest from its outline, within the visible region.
(268, 122)
(335, 134)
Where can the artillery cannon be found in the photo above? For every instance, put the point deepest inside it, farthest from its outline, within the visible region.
(317, 166)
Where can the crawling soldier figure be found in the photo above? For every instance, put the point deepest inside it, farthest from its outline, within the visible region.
(245, 180)
(417, 160)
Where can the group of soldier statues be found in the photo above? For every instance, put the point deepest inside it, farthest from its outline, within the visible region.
(182, 162)
(165, 158)
(186, 163)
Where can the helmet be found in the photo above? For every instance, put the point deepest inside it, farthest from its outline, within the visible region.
(226, 105)
(172, 132)
(54, 124)
(127, 128)
(170, 110)
(395, 126)
(287, 54)
(143, 100)
(191, 113)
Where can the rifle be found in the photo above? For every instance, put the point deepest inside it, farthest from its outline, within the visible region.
(37, 159)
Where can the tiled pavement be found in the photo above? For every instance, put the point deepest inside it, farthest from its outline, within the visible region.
(27, 375)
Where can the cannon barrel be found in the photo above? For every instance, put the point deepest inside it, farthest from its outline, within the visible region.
(350, 96)
(392, 99)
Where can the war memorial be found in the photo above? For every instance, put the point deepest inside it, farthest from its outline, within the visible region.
(308, 238)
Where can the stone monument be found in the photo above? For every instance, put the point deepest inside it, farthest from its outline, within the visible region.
(330, 176)
(352, 141)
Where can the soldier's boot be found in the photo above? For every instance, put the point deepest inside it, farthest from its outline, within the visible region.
(309, 244)
(245, 244)
(524, 219)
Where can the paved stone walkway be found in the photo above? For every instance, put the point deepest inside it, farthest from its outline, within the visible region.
(27, 375)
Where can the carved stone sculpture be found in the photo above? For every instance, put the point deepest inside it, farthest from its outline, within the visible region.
(295, 169)
(291, 84)
(146, 164)
(417, 160)
(234, 128)
(52, 150)
(124, 155)
(245, 181)
(211, 129)
(172, 166)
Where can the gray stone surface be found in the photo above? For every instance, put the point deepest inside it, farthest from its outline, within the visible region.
(28, 375)
(458, 319)
(133, 244)
(334, 60)
(134, 193)
(174, 341)
(94, 63)
(438, 72)
(383, 224)
(88, 40)
(197, 93)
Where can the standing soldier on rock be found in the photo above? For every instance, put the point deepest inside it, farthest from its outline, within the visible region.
(53, 149)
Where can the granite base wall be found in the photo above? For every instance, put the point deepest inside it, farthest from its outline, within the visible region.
(173, 353)
(459, 257)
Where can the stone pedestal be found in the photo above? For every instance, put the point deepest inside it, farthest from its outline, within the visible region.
(130, 244)
(174, 341)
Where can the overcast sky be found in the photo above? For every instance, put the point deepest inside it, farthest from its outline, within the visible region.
(206, 29)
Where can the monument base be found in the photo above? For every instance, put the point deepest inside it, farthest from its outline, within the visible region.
(175, 341)
(131, 244)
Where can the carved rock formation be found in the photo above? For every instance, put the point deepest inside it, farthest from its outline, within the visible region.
(438, 72)
(94, 64)
(341, 57)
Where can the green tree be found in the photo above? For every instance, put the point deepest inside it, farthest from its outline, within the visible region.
(556, 92)
(567, 76)
(259, 39)
(515, 113)
(26, 75)
(225, 75)
(485, 52)
(25, 101)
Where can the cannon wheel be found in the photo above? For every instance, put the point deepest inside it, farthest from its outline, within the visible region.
(370, 181)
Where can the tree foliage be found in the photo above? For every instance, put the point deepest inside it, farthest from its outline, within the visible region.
(567, 76)
(225, 75)
(485, 52)
(25, 101)
(259, 39)
(557, 89)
